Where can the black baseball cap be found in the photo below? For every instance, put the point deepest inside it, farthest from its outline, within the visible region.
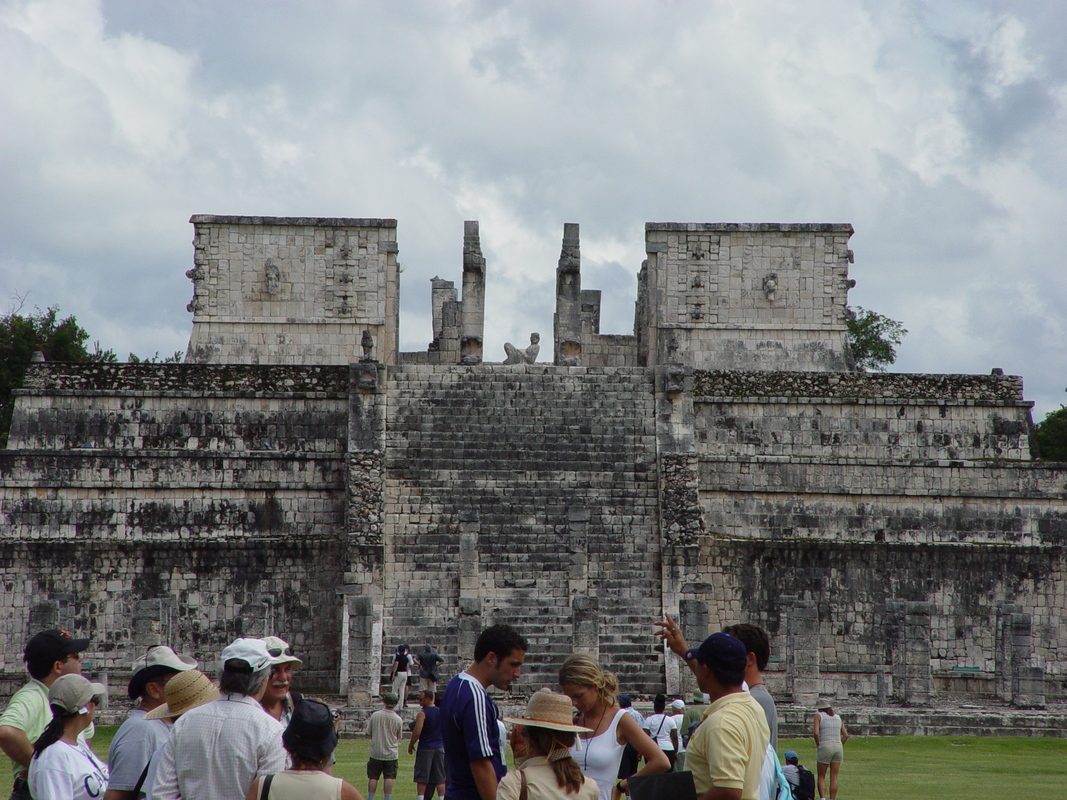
(53, 645)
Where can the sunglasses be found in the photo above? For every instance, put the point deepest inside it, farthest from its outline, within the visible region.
(274, 652)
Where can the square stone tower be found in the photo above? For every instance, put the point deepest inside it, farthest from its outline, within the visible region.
(285, 290)
(762, 296)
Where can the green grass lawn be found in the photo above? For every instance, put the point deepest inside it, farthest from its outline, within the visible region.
(889, 768)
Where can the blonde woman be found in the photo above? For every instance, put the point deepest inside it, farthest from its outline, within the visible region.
(549, 772)
(594, 693)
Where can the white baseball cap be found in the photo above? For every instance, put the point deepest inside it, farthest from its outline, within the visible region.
(252, 651)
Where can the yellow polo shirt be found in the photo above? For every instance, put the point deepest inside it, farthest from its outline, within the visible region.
(728, 748)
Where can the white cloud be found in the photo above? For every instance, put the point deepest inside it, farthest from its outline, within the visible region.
(935, 127)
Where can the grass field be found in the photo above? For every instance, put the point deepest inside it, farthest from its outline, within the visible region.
(889, 768)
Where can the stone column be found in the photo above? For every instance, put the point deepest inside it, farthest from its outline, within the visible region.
(693, 617)
(804, 650)
(470, 588)
(567, 322)
(442, 293)
(256, 619)
(909, 638)
(362, 597)
(585, 625)
(1004, 653)
(1026, 679)
(148, 622)
(473, 315)
(681, 519)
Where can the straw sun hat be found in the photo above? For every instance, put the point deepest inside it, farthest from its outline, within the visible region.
(185, 691)
(547, 709)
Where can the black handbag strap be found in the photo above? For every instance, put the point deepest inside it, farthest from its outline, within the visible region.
(264, 790)
(140, 781)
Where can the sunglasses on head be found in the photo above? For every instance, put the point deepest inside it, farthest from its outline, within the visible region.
(274, 652)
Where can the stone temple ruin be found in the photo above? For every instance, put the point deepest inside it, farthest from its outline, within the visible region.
(301, 476)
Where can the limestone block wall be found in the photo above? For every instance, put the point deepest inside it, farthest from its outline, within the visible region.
(182, 503)
(875, 429)
(290, 290)
(528, 495)
(125, 595)
(893, 520)
(859, 594)
(186, 408)
(746, 296)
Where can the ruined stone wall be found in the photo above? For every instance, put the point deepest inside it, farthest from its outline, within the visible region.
(188, 503)
(747, 296)
(858, 593)
(888, 528)
(125, 595)
(276, 290)
(523, 494)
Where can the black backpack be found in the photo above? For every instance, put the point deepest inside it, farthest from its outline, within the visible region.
(806, 787)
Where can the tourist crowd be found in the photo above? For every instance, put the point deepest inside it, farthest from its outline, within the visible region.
(250, 736)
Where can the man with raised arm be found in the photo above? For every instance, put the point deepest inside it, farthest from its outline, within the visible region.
(727, 750)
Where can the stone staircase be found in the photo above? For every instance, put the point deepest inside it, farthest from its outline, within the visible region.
(553, 469)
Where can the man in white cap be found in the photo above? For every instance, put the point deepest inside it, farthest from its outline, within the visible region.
(279, 700)
(138, 738)
(218, 749)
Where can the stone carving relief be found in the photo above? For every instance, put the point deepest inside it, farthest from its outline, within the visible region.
(196, 275)
(770, 285)
(272, 278)
(527, 356)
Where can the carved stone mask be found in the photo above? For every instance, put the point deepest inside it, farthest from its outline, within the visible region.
(274, 278)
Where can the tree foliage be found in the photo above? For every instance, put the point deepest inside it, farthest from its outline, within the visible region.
(873, 339)
(1051, 434)
(58, 339)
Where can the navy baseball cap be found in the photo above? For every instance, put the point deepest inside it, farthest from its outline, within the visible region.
(721, 650)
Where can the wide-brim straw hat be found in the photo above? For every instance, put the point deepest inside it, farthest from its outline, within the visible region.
(548, 709)
(185, 691)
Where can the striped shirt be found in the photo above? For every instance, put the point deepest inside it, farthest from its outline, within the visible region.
(469, 731)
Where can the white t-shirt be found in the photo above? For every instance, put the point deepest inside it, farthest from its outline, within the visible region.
(659, 727)
(67, 772)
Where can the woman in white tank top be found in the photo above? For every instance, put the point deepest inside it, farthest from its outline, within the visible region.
(594, 694)
(830, 736)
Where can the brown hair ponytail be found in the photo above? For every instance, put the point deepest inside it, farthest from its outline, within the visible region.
(556, 745)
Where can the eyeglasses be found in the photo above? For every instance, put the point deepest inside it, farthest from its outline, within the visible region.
(274, 652)
(75, 656)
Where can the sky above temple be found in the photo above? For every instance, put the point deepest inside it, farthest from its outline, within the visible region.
(936, 128)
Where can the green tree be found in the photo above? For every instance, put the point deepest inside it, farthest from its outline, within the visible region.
(873, 339)
(21, 335)
(1051, 434)
(173, 358)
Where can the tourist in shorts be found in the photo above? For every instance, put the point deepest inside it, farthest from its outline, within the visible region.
(430, 760)
(385, 729)
(828, 730)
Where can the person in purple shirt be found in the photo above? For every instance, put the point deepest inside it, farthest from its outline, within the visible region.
(468, 717)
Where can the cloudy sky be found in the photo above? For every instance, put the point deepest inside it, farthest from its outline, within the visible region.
(936, 128)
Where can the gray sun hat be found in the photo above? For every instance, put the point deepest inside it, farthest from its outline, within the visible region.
(73, 692)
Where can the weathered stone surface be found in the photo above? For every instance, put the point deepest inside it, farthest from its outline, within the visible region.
(722, 464)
